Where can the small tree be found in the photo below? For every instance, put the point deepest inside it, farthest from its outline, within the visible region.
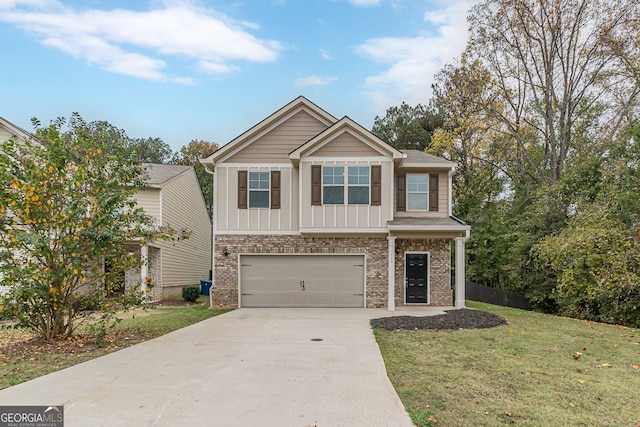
(65, 207)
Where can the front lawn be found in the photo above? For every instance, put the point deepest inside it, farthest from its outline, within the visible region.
(24, 356)
(539, 370)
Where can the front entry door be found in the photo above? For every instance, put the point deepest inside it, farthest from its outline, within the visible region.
(417, 289)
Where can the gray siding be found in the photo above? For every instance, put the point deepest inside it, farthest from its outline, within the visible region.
(185, 262)
(149, 200)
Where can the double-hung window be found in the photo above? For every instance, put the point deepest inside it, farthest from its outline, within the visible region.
(417, 192)
(358, 188)
(351, 185)
(333, 185)
(258, 189)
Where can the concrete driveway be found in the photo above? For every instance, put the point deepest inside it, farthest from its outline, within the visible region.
(248, 367)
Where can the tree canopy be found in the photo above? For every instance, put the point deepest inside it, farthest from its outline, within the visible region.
(66, 208)
(540, 112)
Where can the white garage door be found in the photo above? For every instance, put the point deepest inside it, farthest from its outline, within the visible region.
(302, 280)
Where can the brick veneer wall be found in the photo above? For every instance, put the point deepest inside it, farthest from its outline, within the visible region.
(440, 269)
(225, 293)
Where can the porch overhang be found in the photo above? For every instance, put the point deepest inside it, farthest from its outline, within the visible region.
(427, 224)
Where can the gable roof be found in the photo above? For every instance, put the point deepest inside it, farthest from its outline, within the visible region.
(16, 131)
(158, 175)
(420, 159)
(344, 125)
(299, 104)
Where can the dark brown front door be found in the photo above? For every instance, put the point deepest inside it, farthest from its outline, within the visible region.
(417, 290)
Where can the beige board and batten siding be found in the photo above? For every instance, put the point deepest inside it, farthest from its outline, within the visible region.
(346, 217)
(230, 219)
(346, 150)
(275, 145)
(185, 262)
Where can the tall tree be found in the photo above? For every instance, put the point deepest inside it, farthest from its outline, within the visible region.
(65, 206)
(191, 154)
(407, 127)
(552, 62)
(150, 150)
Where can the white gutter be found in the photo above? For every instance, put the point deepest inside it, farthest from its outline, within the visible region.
(213, 236)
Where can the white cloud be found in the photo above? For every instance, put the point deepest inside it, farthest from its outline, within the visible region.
(135, 42)
(315, 81)
(413, 61)
(364, 3)
(325, 55)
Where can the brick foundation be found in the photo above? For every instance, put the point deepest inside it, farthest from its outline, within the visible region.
(225, 293)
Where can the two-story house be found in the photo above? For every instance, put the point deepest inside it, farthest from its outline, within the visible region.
(173, 199)
(315, 211)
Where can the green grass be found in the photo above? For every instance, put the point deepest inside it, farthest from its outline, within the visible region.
(24, 357)
(523, 373)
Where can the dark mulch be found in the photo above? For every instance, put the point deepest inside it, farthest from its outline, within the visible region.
(452, 320)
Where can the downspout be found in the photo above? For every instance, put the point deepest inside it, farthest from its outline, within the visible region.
(213, 236)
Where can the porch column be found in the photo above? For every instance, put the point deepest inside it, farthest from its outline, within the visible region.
(391, 269)
(460, 273)
(144, 268)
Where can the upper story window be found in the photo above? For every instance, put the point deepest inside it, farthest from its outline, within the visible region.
(358, 189)
(352, 185)
(258, 189)
(333, 185)
(417, 192)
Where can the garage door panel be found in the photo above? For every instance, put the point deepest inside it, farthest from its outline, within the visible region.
(329, 280)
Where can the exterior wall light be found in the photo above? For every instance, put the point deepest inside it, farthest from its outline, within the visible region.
(225, 251)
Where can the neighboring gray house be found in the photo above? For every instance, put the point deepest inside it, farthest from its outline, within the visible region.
(174, 198)
(7, 131)
(315, 211)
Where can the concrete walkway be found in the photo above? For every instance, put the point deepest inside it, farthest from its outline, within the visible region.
(248, 367)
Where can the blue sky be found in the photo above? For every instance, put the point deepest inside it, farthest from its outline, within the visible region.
(202, 69)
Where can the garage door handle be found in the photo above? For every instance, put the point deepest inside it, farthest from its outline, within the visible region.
(302, 284)
(358, 295)
(243, 294)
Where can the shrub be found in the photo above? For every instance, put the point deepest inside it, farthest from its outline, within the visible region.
(190, 293)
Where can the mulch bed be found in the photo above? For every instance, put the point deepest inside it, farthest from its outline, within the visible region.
(453, 320)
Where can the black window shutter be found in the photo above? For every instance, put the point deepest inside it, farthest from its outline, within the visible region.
(275, 189)
(433, 192)
(401, 192)
(376, 185)
(316, 185)
(242, 190)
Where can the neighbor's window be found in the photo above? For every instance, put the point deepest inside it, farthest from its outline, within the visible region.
(417, 192)
(358, 189)
(333, 185)
(258, 189)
